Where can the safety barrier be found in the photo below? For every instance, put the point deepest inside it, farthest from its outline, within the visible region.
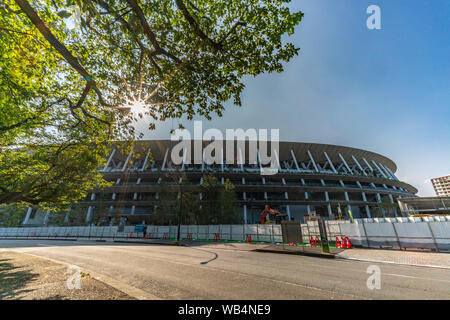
(403, 233)
(424, 232)
(257, 233)
(270, 233)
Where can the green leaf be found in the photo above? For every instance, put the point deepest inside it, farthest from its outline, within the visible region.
(64, 14)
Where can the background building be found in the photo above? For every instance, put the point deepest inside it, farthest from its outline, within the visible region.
(329, 179)
(441, 186)
(424, 205)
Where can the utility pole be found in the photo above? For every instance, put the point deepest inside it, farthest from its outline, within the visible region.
(180, 214)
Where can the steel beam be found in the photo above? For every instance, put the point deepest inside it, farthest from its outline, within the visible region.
(145, 160)
(345, 163)
(312, 160)
(295, 161)
(165, 159)
(109, 160)
(367, 164)
(128, 160)
(331, 163)
(359, 166)
(379, 170)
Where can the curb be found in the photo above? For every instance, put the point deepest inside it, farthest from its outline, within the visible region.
(146, 242)
(299, 253)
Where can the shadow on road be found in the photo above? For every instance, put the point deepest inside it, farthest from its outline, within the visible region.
(216, 256)
(12, 280)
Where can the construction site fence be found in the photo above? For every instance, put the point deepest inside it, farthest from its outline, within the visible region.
(251, 232)
(404, 233)
(412, 232)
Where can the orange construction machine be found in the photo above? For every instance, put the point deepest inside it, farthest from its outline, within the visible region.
(271, 216)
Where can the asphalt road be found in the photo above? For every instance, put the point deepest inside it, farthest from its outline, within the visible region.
(229, 272)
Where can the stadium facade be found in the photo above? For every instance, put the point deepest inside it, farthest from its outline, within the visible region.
(441, 186)
(331, 180)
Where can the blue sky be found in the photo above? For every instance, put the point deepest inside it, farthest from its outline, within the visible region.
(386, 91)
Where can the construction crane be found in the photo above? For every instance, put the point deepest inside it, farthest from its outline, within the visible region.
(271, 216)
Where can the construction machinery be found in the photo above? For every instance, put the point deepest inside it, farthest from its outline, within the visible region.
(271, 216)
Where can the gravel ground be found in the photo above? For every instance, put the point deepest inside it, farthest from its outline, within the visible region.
(26, 277)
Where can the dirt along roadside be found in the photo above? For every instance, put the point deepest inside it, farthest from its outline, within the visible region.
(27, 277)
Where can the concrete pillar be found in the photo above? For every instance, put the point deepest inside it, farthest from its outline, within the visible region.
(378, 197)
(327, 198)
(364, 196)
(288, 211)
(393, 204)
(27, 217)
(347, 199)
(90, 209)
(89, 214)
(368, 212)
(245, 214)
(47, 215)
(66, 218)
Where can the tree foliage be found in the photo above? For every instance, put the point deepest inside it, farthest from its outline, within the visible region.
(218, 201)
(387, 209)
(12, 215)
(65, 90)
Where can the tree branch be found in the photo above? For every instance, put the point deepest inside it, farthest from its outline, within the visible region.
(55, 43)
(197, 30)
(149, 33)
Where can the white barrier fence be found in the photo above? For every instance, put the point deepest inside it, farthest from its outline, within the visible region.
(424, 232)
(257, 232)
(417, 232)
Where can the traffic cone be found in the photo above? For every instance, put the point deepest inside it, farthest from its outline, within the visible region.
(349, 244)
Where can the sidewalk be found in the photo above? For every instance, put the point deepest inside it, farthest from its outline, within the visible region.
(300, 250)
(423, 259)
(27, 277)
